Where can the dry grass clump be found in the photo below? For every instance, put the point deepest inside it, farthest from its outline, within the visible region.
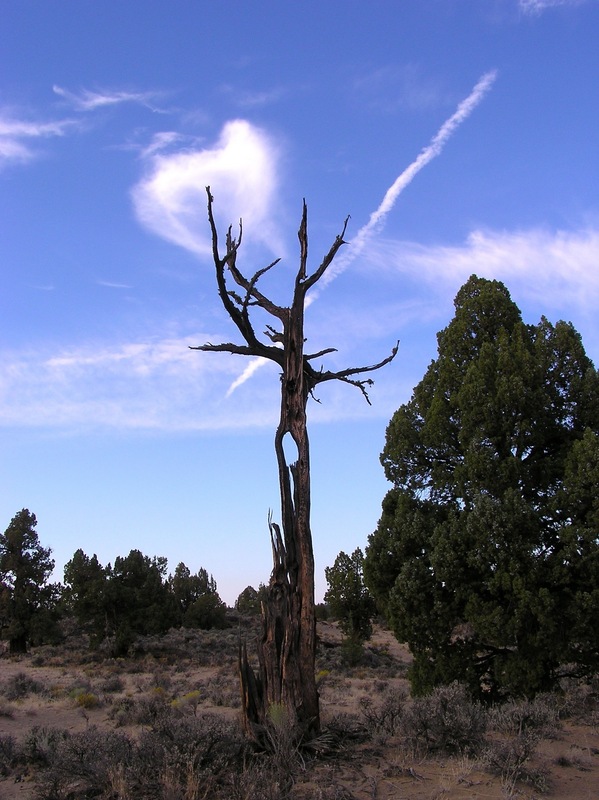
(541, 715)
(581, 701)
(20, 685)
(512, 760)
(178, 759)
(446, 721)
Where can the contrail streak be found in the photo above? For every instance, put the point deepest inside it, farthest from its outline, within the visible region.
(378, 217)
(435, 148)
(255, 363)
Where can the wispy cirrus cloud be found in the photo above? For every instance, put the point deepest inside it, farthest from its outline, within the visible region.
(242, 170)
(157, 385)
(17, 136)
(392, 87)
(555, 269)
(161, 385)
(538, 6)
(247, 98)
(113, 284)
(86, 100)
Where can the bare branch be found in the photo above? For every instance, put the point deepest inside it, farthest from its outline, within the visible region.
(302, 235)
(273, 334)
(320, 353)
(327, 260)
(344, 374)
(225, 347)
(235, 306)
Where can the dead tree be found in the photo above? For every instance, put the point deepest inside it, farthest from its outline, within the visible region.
(286, 650)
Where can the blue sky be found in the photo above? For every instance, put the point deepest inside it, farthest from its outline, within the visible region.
(477, 120)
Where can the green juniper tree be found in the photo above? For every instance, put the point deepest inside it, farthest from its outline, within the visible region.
(26, 598)
(250, 600)
(486, 556)
(88, 596)
(347, 597)
(198, 602)
(142, 601)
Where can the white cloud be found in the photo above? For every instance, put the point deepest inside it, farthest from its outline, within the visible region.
(87, 100)
(253, 99)
(16, 135)
(161, 141)
(538, 6)
(160, 385)
(241, 169)
(557, 269)
(113, 284)
(394, 87)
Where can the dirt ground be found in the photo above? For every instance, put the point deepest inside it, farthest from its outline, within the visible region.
(65, 689)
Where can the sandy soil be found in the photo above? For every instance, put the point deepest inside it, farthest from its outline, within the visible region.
(379, 767)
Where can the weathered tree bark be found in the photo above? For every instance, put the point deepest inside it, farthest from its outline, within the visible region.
(287, 648)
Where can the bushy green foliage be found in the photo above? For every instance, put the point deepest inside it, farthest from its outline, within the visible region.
(207, 612)
(87, 594)
(198, 602)
(486, 559)
(348, 598)
(27, 601)
(135, 598)
(250, 600)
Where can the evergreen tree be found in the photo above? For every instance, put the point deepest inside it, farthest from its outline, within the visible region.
(140, 597)
(250, 600)
(26, 598)
(485, 558)
(198, 602)
(87, 595)
(348, 598)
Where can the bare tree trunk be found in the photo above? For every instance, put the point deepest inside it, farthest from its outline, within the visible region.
(287, 647)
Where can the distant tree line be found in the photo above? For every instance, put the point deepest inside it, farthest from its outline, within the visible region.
(112, 604)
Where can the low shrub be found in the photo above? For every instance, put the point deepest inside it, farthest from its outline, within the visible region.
(87, 700)
(112, 685)
(9, 754)
(516, 716)
(144, 710)
(382, 718)
(188, 702)
(40, 744)
(178, 758)
(511, 758)
(82, 764)
(446, 721)
(18, 686)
